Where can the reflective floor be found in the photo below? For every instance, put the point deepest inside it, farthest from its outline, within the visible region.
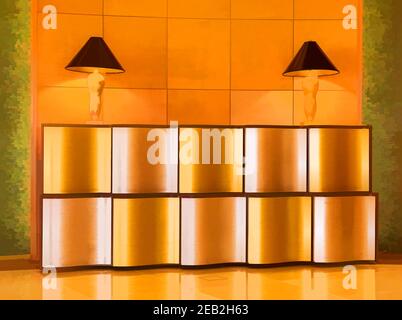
(368, 282)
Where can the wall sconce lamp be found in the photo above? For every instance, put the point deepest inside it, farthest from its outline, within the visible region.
(310, 62)
(97, 59)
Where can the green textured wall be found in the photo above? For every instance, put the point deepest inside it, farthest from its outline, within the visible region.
(382, 107)
(15, 100)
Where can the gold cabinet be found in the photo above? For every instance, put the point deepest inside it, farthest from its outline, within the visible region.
(77, 160)
(344, 229)
(76, 232)
(279, 230)
(145, 232)
(211, 160)
(276, 160)
(339, 159)
(213, 231)
(145, 160)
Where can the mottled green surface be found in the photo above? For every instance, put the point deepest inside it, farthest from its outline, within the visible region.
(382, 108)
(15, 31)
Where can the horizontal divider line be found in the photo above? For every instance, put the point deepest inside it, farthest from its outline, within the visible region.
(193, 18)
(209, 195)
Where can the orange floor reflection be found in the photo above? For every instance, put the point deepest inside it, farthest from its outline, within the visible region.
(372, 282)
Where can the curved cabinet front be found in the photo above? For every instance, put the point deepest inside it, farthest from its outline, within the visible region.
(145, 232)
(211, 160)
(76, 232)
(339, 159)
(276, 160)
(145, 160)
(344, 229)
(213, 231)
(279, 230)
(77, 160)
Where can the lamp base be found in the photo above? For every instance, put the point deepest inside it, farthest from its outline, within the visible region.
(310, 87)
(96, 83)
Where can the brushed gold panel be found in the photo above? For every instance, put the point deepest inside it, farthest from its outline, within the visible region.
(77, 160)
(211, 160)
(145, 160)
(344, 229)
(339, 160)
(279, 230)
(276, 160)
(213, 231)
(145, 232)
(76, 232)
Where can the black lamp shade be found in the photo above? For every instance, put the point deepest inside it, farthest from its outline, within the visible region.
(311, 60)
(95, 55)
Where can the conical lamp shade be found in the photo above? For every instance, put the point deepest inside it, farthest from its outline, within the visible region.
(95, 55)
(311, 58)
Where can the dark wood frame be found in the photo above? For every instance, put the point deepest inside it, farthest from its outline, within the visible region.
(179, 195)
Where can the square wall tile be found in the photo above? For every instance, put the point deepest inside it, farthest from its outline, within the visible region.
(73, 6)
(56, 48)
(262, 9)
(342, 47)
(140, 46)
(198, 54)
(328, 9)
(262, 107)
(134, 106)
(63, 105)
(199, 106)
(333, 108)
(199, 8)
(71, 105)
(144, 8)
(261, 51)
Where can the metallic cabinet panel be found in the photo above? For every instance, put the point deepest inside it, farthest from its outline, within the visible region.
(145, 160)
(276, 160)
(76, 232)
(211, 165)
(213, 231)
(344, 229)
(77, 160)
(339, 160)
(145, 231)
(279, 230)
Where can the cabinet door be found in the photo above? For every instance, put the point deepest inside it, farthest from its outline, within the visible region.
(76, 232)
(145, 232)
(339, 160)
(344, 229)
(213, 231)
(77, 160)
(211, 160)
(279, 230)
(145, 160)
(276, 160)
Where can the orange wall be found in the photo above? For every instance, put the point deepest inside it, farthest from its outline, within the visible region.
(195, 61)
(199, 61)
